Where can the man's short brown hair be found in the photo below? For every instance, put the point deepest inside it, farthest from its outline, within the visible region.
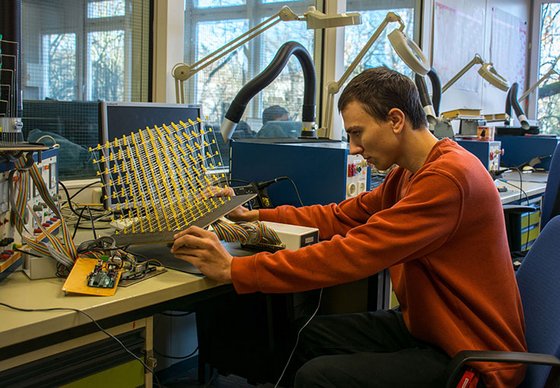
(381, 89)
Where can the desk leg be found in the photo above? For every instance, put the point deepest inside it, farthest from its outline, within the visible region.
(149, 358)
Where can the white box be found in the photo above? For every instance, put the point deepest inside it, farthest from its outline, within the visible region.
(39, 267)
(294, 236)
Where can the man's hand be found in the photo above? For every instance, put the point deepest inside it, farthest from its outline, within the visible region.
(240, 213)
(204, 250)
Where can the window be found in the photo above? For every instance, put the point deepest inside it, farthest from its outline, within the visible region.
(86, 49)
(210, 24)
(548, 92)
(75, 52)
(381, 53)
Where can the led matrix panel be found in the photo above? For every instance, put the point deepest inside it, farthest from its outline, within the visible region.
(157, 179)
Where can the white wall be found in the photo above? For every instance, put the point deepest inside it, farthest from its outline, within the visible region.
(488, 98)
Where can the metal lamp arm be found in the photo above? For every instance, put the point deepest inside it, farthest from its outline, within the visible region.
(334, 86)
(476, 60)
(182, 72)
(547, 75)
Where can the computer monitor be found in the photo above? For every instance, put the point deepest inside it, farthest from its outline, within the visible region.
(118, 119)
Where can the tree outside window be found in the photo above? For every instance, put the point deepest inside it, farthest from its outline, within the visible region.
(548, 102)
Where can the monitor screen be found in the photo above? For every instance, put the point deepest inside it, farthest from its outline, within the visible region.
(118, 119)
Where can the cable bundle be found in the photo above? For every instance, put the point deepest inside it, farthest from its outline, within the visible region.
(63, 251)
(248, 233)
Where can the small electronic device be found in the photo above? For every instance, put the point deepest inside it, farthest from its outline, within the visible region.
(488, 152)
(294, 236)
(105, 274)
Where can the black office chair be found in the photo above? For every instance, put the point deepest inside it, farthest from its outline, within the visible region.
(538, 279)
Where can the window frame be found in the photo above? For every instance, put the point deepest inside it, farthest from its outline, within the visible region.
(535, 61)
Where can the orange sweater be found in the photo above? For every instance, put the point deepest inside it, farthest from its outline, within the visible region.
(440, 232)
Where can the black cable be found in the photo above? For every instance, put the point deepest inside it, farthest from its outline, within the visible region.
(118, 341)
(297, 339)
(177, 357)
(92, 223)
(82, 189)
(522, 191)
(26, 252)
(78, 223)
(69, 201)
(295, 188)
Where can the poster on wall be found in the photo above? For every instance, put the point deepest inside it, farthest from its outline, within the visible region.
(508, 47)
(458, 36)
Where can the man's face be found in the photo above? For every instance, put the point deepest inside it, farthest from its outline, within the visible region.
(375, 140)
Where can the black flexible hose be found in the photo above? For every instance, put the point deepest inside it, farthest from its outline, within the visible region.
(519, 112)
(436, 89)
(422, 87)
(425, 99)
(269, 74)
(507, 109)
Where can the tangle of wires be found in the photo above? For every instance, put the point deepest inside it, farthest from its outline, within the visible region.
(94, 212)
(133, 265)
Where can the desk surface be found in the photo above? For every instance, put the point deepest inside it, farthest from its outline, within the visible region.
(19, 291)
(520, 187)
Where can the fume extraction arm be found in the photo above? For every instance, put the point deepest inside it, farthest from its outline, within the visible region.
(513, 102)
(430, 105)
(269, 74)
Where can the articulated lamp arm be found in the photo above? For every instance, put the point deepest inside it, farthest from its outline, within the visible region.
(476, 60)
(486, 71)
(315, 20)
(182, 72)
(407, 50)
(546, 76)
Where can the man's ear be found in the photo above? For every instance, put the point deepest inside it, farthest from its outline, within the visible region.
(397, 119)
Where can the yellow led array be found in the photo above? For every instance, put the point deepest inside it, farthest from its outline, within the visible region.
(159, 176)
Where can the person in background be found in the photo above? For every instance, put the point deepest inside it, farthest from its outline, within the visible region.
(274, 113)
(277, 124)
(436, 223)
(243, 131)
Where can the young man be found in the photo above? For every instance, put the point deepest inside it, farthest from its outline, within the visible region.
(274, 113)
(436, 222)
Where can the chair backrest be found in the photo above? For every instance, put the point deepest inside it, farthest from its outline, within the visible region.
(551, 202)
(538, 278)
